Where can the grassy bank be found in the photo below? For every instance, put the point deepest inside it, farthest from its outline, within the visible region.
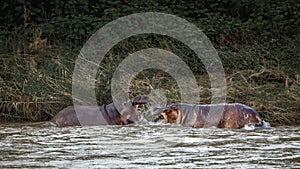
(35, 86)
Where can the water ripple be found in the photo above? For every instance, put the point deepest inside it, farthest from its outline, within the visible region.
(38, 145)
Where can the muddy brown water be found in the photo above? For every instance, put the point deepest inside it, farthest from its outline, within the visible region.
(149, 145)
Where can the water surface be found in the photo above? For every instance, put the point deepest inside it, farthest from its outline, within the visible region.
(151, 145)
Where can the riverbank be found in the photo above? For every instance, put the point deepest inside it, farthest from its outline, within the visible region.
(34, 87)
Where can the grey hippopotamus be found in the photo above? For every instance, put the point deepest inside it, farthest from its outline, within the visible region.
(234, 115)
(117, 113)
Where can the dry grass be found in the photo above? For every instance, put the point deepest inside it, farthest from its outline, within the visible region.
(36, 86)
(32, 88)
(277, 102)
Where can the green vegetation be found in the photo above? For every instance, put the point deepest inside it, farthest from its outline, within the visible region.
(257, 41)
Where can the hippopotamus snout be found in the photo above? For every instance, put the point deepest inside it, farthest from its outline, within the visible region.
(140, 100)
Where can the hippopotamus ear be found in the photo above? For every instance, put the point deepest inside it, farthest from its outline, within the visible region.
(175, 108)
(167, 107)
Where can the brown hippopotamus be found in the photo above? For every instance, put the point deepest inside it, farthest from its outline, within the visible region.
(117, 113)
(234, 115)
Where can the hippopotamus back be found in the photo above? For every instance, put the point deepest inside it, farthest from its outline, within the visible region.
(219, 115)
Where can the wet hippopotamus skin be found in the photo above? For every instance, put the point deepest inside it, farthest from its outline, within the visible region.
(117, 113)
(234, 115)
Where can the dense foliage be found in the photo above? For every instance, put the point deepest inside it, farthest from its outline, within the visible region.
(73, 22)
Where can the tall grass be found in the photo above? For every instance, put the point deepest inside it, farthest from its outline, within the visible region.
(36, 81)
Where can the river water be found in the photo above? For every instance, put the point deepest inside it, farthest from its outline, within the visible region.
(150, 145)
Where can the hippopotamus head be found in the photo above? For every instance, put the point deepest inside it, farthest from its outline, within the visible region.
(243, 115)
(129, 109)
(170, 114)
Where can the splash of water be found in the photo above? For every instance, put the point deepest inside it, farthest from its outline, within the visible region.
(266, 125)
(249, 127)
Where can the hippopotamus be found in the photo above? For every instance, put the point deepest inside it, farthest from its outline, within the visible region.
(116, 113)
(234, 115)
